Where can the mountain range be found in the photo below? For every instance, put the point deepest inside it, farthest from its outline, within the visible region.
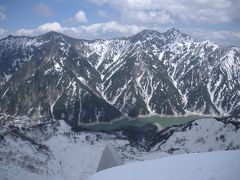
(93, 81)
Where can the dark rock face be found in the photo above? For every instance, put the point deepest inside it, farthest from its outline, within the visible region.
(82, 81)
(55, 83)
(140, 137)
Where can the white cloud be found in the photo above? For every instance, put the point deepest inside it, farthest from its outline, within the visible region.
(222, 37)
(26, 32)
(3, 32)
(43, 10)
(54, 26)
(132, 4)
(187, 11)
(98, 2)
(80, 16)
(102, 13)
(111, 27)
(2, 13)
(161, 17)
(98, 30)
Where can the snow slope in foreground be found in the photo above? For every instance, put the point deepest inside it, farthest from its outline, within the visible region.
(52, 151)
(219, 165)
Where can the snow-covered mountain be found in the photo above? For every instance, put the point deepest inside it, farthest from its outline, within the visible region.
(53, 151)
(84, 81)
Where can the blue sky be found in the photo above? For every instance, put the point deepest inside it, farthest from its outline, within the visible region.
(217, 20)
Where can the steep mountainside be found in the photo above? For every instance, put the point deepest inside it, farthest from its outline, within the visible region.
(54, 82)
(83, 81)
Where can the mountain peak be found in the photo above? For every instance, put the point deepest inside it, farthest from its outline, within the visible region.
(174, 33)
(145, 34)
(15, 37)
(174, 30)
(10, 36)
(52, 34)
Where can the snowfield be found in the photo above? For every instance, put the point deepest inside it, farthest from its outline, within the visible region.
(202, 135)
(219, 165)
(54, 152)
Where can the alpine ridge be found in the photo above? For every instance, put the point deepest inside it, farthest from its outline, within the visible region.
(93, 81)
